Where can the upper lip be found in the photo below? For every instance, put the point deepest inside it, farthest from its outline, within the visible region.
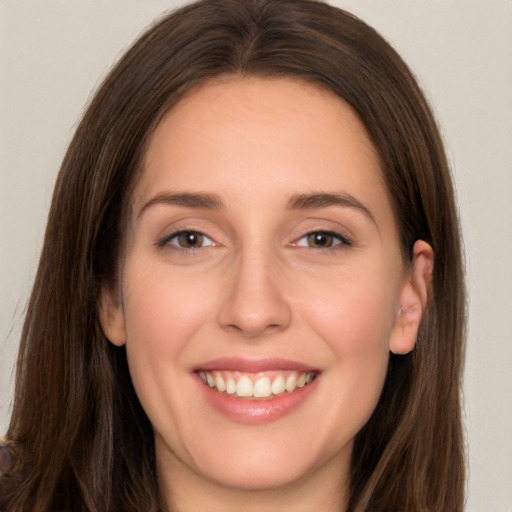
(254, 365)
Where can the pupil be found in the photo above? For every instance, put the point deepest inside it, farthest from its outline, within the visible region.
(190, 239)
(320, 240)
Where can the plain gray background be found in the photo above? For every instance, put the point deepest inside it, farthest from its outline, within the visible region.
(54, 53)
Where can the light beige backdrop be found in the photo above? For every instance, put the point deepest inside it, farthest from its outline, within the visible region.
(53, 53)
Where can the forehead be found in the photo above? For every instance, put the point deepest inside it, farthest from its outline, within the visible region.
(260, 136)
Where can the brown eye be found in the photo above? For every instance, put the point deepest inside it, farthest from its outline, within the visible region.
(323, 240)
(320, 240)
(190, 239)
(185, 240)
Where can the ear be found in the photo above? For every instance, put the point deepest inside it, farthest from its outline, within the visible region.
(112, 316)
(413, 299)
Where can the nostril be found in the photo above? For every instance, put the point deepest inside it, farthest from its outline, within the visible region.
(253, 331)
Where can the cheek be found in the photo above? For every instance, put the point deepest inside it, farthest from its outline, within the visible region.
(162, 315)
(163, 308)
(354, 313)
(354, 317)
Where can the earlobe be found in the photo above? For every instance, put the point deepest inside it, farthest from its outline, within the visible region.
(112, 316)
(413, 300)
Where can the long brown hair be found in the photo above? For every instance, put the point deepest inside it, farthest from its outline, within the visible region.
(82, 438)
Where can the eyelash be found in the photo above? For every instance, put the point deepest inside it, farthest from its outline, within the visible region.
(166, 240)
(342, 240)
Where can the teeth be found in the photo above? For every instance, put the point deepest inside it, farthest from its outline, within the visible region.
(262, 388)
(291, 382)
(219, 382)
(245, 387)
(279, 385)
(256, 385)
(230, 386)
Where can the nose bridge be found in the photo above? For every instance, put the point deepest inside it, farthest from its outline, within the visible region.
(256, 300)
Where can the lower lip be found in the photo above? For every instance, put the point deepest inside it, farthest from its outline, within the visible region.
(257, 411)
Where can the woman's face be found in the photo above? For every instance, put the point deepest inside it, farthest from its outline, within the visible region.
(261, 285)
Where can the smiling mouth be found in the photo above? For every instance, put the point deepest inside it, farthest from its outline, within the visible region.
(256, 385)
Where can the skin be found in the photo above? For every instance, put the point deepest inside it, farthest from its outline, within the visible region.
(256, 287)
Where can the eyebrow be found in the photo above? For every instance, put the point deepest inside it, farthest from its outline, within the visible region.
(326, 199)
(186, 199)
(296, 202)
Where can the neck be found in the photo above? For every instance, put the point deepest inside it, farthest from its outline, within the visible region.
(182, 490)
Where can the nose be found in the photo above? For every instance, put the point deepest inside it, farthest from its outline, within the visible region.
(255, 303)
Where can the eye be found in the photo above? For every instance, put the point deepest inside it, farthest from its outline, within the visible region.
(322, 240)
(186, 240)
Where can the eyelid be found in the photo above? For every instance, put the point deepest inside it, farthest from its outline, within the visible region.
(341, 240)
(171, 239)
(167, 240)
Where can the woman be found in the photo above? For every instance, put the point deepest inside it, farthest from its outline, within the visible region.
(250, 293)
